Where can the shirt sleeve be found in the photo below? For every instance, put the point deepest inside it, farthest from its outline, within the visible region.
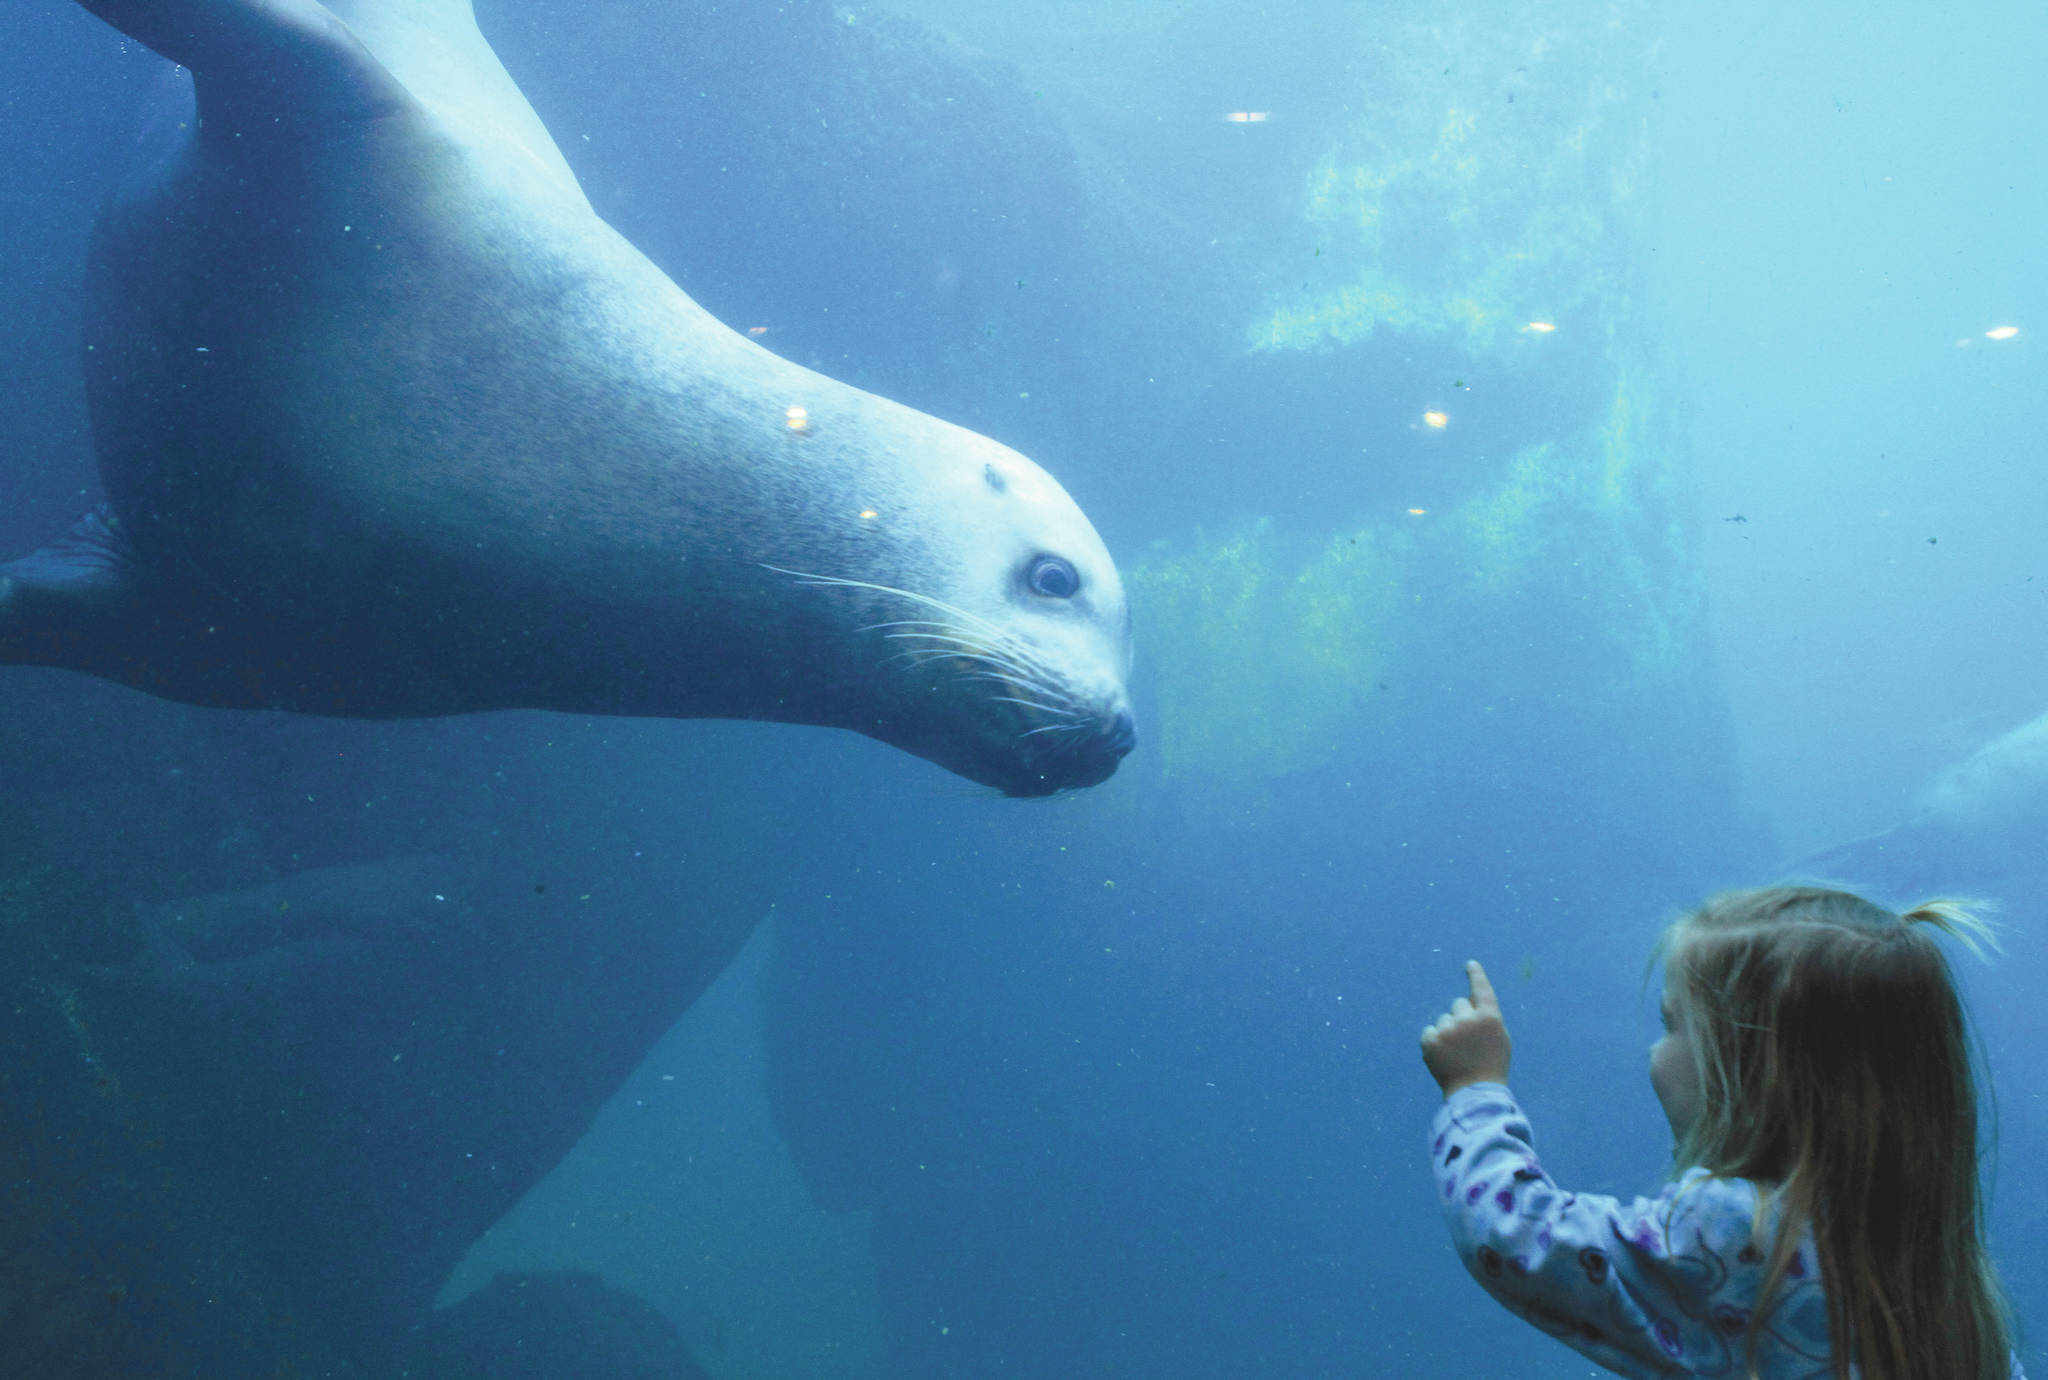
(1654, 1287)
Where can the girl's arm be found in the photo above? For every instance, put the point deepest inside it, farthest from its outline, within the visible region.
(1655, 1287)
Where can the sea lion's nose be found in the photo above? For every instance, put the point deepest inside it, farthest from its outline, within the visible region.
(1081, 761)
(1107, 747)
(1122, 735)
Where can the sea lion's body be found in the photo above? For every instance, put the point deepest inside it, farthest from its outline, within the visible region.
(1977, 821)
(391, 423)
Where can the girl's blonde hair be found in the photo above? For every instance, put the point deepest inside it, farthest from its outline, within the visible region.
(1835, 1064)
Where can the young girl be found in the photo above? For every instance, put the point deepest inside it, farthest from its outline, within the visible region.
(1816, 1074)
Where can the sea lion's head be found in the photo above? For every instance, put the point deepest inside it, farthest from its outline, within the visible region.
(986, 617)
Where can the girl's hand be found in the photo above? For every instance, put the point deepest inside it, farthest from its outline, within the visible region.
(1468, 1043)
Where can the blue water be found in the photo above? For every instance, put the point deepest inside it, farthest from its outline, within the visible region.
(1714, 576)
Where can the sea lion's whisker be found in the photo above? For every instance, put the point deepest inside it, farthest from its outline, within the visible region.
(1018, 683)
(1008, 654)
(1053, 728)
(906, 623)
(972, 641)
(927, 600)
(925, 656)
(948, 653)
(1033, 704)
(936, 637)
(951, 645)
(943, 625)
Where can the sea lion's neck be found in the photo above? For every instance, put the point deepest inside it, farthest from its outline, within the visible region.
(436, 51)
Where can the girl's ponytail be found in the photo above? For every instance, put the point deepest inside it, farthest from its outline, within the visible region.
(1962, 921)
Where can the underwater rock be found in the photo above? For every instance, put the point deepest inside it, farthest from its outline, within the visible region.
(115, 1259)
(1538, 224)
(274, 1126)
(1282, 648)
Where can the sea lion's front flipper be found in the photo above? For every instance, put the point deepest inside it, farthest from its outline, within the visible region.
(73, 604)
(257, 63)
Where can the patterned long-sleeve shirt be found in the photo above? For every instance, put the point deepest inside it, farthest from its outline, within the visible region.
(1657, 1287)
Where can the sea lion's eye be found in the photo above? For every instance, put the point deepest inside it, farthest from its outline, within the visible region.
(1054, 578)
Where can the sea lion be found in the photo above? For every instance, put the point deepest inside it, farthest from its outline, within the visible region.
(1977, 820)
(391, 423)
